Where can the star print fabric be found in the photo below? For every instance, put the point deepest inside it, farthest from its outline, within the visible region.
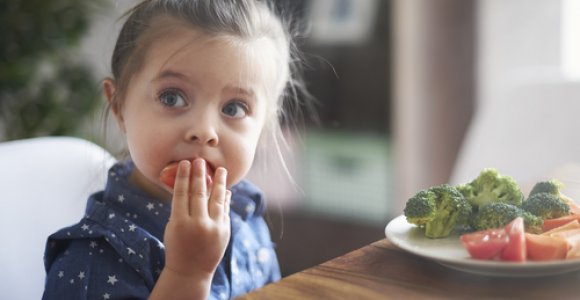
(116, 251)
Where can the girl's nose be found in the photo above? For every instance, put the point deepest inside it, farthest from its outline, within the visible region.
(202, 133)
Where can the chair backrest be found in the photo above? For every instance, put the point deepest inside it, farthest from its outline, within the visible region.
(44, 184)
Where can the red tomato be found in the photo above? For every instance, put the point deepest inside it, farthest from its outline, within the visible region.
(515, 250)
(544, 247)
(168, 174)
(485, 244)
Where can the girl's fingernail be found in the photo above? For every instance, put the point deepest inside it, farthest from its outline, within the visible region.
(200, 163)
(223, 174)
(184, 166)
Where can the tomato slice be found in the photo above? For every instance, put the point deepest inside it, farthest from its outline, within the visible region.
(515, 250)
(545, 248)
(169, 173)
(485, 244)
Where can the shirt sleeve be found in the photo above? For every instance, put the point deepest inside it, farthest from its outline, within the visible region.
(92, 269)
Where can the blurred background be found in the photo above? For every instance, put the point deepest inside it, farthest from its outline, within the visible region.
(411, 93)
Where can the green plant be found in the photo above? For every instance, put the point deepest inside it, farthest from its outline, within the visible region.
(44, 90)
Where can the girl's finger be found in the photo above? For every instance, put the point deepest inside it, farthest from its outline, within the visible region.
(180, 202)
(227, 205)
(198, 190)
(218, 194)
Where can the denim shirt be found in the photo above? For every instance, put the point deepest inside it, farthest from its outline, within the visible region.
(116, 251)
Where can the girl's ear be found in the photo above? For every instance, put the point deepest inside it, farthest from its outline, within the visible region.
(110, 90)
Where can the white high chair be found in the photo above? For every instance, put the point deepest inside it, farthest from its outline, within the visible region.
(44, 185)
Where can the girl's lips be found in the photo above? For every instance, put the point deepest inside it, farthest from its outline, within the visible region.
(169, 173)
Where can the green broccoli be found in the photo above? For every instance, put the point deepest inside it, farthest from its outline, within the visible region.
(532, 223)
(438, 210)
(494, 215)
(552, 186)
(420, 209)
(491, 187)
(546, 206)
(498, 215)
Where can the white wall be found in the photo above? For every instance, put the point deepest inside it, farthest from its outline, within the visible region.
(518, 43)
(526, 123)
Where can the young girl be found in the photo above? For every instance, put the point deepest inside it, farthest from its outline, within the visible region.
(196, 84)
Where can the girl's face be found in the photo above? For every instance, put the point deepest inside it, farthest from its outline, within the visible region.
(196, 97)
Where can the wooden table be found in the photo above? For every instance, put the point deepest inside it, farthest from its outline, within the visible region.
(383, 271)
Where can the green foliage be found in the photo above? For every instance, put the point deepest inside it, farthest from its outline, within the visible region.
(43, 90)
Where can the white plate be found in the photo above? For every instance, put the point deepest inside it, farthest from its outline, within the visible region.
(450, 253)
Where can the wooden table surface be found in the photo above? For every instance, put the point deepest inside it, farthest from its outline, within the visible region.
(383, 271)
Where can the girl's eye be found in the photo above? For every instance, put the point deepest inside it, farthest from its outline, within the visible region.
(172, 98)
(235, 109)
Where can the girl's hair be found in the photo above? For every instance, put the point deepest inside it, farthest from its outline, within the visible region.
(243, 19)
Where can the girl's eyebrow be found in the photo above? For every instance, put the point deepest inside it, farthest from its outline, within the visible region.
(170, 74)
(239, 90)
(229, 88)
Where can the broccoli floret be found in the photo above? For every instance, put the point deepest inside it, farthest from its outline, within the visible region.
(552, 186)
(532, 223)
(494, 215)
(546, 206)
(465, 190)
(420, 209)
(498, 215)
(438, 210)
(491, 187)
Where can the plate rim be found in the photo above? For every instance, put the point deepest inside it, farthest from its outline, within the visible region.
(483, 267)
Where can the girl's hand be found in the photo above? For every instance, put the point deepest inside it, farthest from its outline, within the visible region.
(198, 231)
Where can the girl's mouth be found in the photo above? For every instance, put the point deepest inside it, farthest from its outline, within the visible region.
(169, 173)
